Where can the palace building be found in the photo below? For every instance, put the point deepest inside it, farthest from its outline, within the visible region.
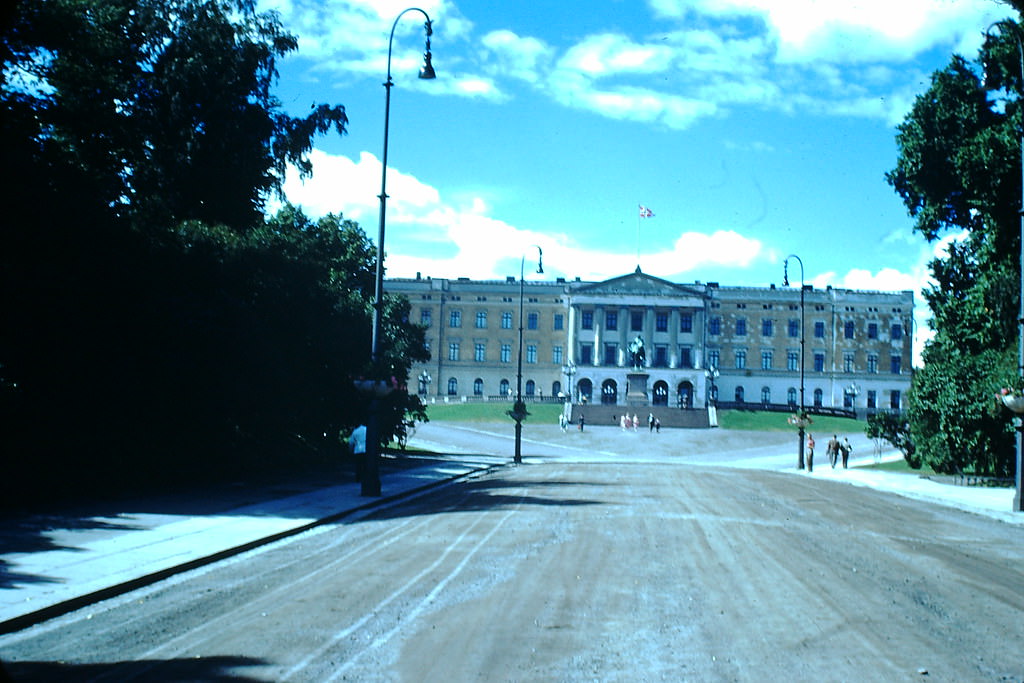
(681, 345)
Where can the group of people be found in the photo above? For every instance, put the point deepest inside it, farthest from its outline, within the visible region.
(834, 450)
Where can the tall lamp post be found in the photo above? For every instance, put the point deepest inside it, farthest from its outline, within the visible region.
(371, 479)
(1010, 27)
(801, 422)
(853, 391)
(425, 380)
(519, 409)
(569, 370)
(712, 374)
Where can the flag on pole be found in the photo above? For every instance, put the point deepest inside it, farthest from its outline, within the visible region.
(645, 212)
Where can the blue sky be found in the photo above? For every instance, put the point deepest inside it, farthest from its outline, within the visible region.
(753, 129)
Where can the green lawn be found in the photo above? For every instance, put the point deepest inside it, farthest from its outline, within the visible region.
(492, 412)
(776, 422)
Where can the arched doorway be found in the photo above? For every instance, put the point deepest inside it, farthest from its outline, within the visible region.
(684, 395)
(609, 392)
(585, 389)
(659, 396)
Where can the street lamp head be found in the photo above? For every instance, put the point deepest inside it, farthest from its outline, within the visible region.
(427, 72)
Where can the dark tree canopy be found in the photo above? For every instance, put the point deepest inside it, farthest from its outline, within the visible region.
(156, 326)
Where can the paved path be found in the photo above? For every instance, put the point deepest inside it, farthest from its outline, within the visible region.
(50, 565)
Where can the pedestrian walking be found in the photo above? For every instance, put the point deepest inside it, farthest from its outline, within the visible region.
(810, 452)
(657, 425)
(563, 422)
(623, 421)
(636, 422)
(581, 414)
(650, 422)
(357, 444)
(832, 450)
(846, 448)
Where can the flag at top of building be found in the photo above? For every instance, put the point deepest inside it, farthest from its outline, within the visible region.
(645, 212)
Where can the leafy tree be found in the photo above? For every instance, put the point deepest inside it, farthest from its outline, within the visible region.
(959, 172)
(894, 428)
(165, 107)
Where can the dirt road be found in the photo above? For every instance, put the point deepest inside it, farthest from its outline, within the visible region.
(578, 572)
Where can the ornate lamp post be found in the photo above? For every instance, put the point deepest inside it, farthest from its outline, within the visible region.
(853, 391)
(712, 374)
(518, 412)
(569, 370)
(1010, 27)
(371, 480)
(425, 380)
(801, 422)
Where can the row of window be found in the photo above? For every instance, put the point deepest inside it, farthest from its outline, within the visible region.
(793, 328)
(793, 361)
(659, 358)
(636, 321)
(739, 396)
(505, 353)
(455, 319)
(530, 388)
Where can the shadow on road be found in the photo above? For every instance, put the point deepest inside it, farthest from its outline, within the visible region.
(190, 669)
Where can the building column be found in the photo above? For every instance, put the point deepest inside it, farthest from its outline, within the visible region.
(570, 351)
(648, 336)
(598, 337)
(624, 323)
(673, 338)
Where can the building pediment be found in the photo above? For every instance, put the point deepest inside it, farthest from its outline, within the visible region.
(638, 284)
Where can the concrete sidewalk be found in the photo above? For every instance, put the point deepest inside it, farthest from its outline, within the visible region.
(51, 565)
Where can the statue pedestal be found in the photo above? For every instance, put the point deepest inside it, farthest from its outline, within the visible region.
(636, 396)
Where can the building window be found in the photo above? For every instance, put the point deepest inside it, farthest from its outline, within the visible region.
(556, 389)
(611, 352)
(819, 362)
(481, 319)
(894, 399)
(660, 356)
(531, 353)
(611, 321)
(531, 387)
(504, 388)
(478, 387)
(425, 317)
(715, 326)
(848, 362)
(896, 333)
(586, 354)
(848, 329)
(894, 364)
(791, 396)
(817, 398)
(872, 363)
(455, 319)
(506, 353)
(453, 386)
(767, 327)
(661, 322)
(531, 321)
(741, 359)
(713, 356)
(739, 393)
(792, 360)
(686, 322)
(559, 321)
(636, 321)
(872, 330)
(506, 320)
(686, 357)
(587, 320)
(819, 330)
(741, 327)
(872, 398)
(556, 355)
(766, 360)
(766, 395)
(793, 326)
(609, 392)
(479, 352)
(453, 350)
